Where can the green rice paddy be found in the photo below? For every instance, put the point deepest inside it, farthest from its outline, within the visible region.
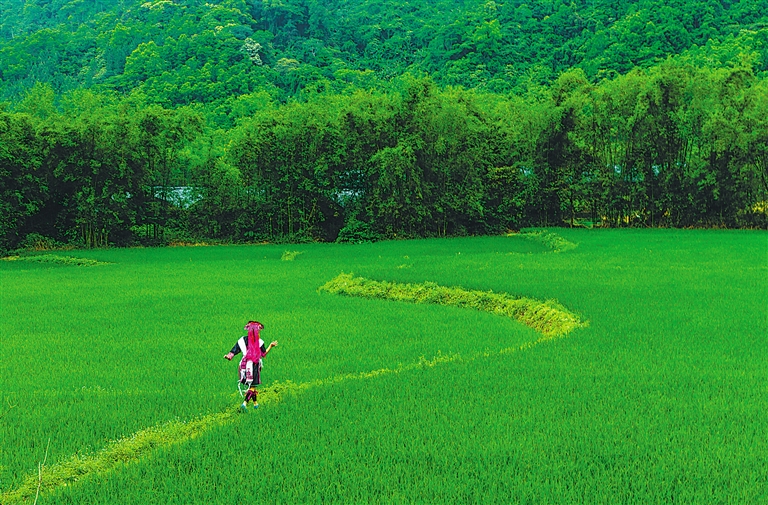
(115, 371)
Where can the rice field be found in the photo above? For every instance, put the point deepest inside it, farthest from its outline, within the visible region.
(112, 373)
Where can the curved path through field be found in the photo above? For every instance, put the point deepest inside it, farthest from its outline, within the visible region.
(550, 319)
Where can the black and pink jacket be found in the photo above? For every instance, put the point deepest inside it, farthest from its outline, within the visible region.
(242, 344)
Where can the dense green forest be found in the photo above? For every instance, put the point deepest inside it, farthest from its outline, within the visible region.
(126, 122)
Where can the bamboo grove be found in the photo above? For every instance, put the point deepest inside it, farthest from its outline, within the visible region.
(675, 145)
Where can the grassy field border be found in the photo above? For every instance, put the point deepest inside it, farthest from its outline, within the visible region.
(547, 317)
(56, 259)
(549, 239)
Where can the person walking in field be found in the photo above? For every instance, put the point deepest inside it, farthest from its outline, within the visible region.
(253, 351)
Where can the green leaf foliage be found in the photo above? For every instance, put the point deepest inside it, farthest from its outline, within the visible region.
(295, 121)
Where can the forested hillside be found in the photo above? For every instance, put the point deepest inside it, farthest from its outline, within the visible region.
(350, 119)
(182, 52)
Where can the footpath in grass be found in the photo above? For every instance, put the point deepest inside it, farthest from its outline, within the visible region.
(547, 317)
(550, 239)
(140, 444)
(55, 259)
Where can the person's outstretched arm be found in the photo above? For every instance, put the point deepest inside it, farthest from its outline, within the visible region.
(273, 344)
(231, 354)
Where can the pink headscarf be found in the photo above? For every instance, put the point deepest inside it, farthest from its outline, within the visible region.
(254, 349)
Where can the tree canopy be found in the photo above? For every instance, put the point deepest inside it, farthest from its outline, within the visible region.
(354, 120)
(181, 52)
